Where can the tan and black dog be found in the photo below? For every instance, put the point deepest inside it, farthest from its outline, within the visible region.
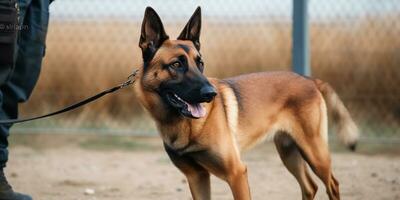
(205, 123)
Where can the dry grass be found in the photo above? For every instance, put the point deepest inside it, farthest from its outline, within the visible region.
(361, 60)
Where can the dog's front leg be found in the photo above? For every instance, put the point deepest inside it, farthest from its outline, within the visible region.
(197, 177)
(199, 183)
(237, 180)
(227, 166)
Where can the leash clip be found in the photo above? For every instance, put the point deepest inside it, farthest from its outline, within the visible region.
(131, 79)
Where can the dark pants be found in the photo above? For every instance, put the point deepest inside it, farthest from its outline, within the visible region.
(21, 58)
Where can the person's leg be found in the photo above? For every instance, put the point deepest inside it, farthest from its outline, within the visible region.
(8, 36)
(33, 22)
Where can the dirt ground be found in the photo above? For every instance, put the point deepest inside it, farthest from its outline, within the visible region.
(72, 167)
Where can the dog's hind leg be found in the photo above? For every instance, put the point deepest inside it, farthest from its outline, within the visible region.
(294, 162)
(315, 152)
(197, 177)
(311, 138)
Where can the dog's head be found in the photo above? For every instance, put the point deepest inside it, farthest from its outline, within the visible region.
(173, 69)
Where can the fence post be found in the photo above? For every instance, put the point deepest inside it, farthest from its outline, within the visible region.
(300, 38)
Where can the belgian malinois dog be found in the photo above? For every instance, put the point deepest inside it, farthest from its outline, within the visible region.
(205, 123)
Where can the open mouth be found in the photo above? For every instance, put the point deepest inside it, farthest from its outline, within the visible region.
(193, 110)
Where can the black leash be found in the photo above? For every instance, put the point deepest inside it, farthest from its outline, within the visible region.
(130, 81)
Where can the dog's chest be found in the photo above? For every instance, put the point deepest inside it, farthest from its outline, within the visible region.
(179, 140)
(175, 135)
(176, 140)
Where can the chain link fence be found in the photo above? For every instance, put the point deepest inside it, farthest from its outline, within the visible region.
(93, 45)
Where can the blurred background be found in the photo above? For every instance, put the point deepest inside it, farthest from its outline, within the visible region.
(93, 45)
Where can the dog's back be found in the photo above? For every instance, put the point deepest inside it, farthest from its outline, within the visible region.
(271, 102)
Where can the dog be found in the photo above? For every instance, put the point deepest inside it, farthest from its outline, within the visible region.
(205, 122)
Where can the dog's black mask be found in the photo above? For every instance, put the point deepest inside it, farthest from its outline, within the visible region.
(186, 92)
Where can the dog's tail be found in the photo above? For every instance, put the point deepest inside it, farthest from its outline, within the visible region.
(347, 130)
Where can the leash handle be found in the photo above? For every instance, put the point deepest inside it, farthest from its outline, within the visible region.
(130, 81)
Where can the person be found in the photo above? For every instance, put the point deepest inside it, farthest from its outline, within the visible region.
(23, 29)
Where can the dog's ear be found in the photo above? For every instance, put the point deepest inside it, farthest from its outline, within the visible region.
(192, 29)
(152, 35)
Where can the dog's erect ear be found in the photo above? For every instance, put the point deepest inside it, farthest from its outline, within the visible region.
(152, 35)
(192, 29)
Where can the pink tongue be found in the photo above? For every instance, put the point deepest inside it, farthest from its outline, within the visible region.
(197, 110)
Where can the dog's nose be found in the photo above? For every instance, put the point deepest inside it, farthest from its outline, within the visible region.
(208, 93)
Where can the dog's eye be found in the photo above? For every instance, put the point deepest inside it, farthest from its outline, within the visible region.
(175, 65)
